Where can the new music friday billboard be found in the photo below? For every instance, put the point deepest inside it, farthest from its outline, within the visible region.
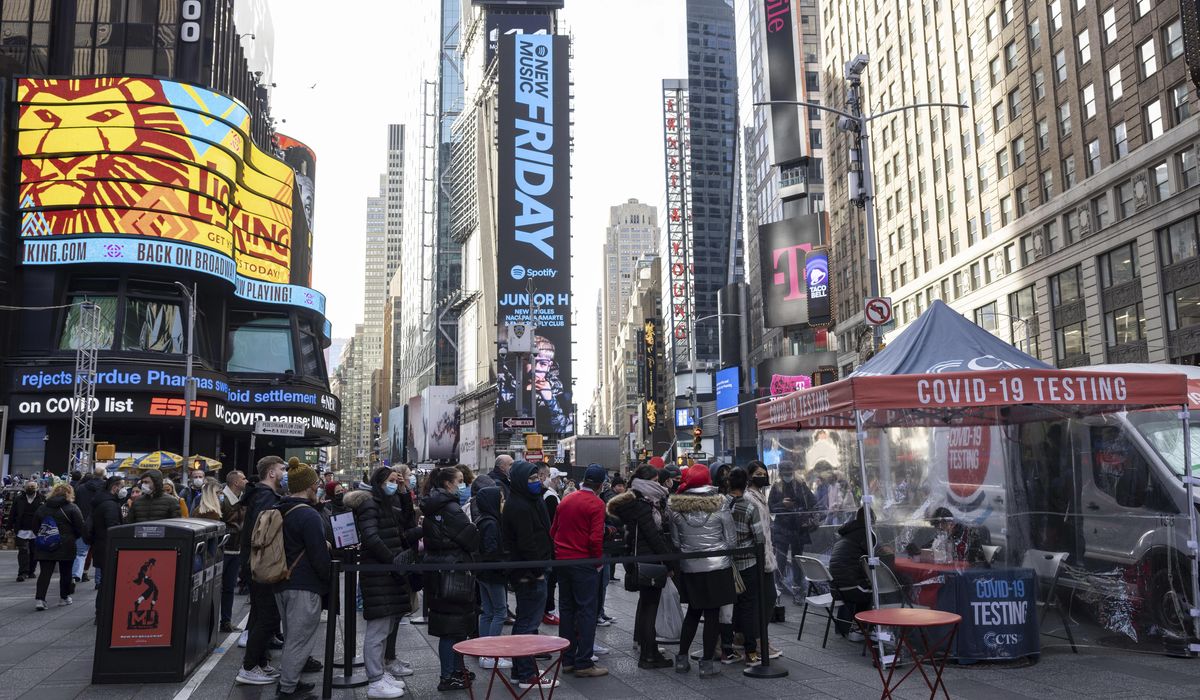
(534, 246)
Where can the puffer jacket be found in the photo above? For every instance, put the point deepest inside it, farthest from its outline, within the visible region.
(486, 507)
(449, 537)
(699, 524)
(845, 560)
(642, 534)
(154, 506)
(380, 540)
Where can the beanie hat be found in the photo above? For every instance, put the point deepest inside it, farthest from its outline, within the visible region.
(330, 488)
(694, 477)
(657, 462)
(300, 476)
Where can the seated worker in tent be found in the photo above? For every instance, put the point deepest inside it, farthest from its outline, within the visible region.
(850, 581)
(952, 541)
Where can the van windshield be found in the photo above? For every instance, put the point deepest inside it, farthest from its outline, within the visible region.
(1165, 434)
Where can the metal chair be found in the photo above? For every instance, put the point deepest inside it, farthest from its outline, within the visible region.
(887, 584)
(989, 552)
(1048, 567)
(816, 573)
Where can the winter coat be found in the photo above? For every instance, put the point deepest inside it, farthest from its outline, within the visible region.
(23, 512)
(232, 514)
(380, 541)
(106, 513)
(70, 527)
(450, 537)
(525, 526)
(85, 495)
(642, 534)
(304, 547)
(487, 520)
(504, 481)
(789, 524)
(154, 506)
(698, 523)
(254, 501)
(845, 560)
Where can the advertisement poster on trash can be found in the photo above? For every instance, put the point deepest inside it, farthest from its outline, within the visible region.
(144, 600)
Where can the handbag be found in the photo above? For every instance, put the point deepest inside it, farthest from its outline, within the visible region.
(649, 574)
(456, 587)
(739, 584)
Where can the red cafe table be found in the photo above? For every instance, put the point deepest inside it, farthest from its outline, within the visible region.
(514, 645)
(908, 620)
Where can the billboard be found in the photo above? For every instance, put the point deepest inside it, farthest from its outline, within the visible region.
(680, 287)
(397, 451)
(782, 247)
(303, 162)
(779, 24)
(499, 25)
(439, 418)
(127, 159)
(534, 222)
(143, 598)
(816, 285)
(728, 381)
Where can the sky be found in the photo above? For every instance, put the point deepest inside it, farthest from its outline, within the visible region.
(342, 76)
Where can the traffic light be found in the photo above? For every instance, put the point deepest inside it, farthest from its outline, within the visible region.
(533, 441)
(697, 433)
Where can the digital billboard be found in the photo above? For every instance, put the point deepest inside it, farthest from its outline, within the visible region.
(728, 380)
(143, 158)
(816, 282)
(782, 248)
(303, 162)
(680, 285)
(534, 222)
(499, 25)
(779, 20)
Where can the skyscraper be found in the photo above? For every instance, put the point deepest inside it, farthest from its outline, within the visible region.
(632, 232)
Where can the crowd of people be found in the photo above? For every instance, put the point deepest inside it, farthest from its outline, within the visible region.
(280, 548)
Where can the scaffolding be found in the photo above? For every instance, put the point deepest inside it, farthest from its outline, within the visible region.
(84, 398)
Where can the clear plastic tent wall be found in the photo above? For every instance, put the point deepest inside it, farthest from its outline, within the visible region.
(1092, 495)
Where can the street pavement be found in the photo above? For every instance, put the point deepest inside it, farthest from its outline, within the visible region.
(48, 656)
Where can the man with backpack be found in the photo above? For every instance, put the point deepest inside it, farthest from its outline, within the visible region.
(264, 615)
(291, 554)
(105, 514)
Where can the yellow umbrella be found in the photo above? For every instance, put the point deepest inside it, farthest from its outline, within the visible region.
(161, 460)
(126, 464)
(209, 463)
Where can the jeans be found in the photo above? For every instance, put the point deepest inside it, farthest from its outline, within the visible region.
(264, 623)
(494, 601)
(301, 613)
(578, 588)
(452, 661)
(643, 627)
(374, 639)
(605, 573)
(65, 585)
(26, 560)
(96, 575)
(229, 576)
(531, 604)
(81, 552)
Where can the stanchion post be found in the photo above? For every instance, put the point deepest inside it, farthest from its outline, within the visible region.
(350, 678)
(330, 631)
(764, 669)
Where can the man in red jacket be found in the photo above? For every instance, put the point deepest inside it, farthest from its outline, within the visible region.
(578, 533)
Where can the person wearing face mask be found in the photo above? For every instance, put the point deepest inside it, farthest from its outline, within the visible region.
(194, 491)
(752, 524)
(794, 506)
(264, 614)
(525, 529)
(382, 540)
(550, 497)
(298, 597)
(106, 513)
(232, 514)
(155, 503)
(21, 518)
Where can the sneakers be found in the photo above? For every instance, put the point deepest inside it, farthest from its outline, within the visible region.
(254, 676)
(709, 669)
(731, 657)
(269, 670)
(242, 639)
(609, 618)
(652, 664)
(399, 669)
(393, 680)
(602, 622)
(302, 690)
(382, 689)
(39, 605)
(228, 628)
(773, 653)
(485, 662)
(448, 683)
(600, 649)
(855, 636)
(591, 672)
(276, 642)
(682, 665)
(753, 659)
(311, 666)
(550, 619)
(65, 602)
(545, 683)
(84, 577)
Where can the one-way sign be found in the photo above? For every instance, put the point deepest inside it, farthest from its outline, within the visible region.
(518, 423)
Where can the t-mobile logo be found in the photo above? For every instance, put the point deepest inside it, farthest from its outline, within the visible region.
(789, 269)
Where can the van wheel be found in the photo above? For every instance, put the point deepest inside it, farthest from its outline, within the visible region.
(1169, 593)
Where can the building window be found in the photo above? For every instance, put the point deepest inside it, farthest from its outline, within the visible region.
(1173, 40)
(1186, 162)
(1022, 320)
(1068, 341)
(1002, 163)
(1120, 141)
(1124, 325)
(1152, 116)
(1047, 185)
(153, 325)
(994, 71)
(1125, 202)
(987, 222)
(1118, 266)
(1043, 135)
(993, 26)
(1142, 7)
(1005, 210)
(1014, 105)
(1115, 89)
(1039, 84)
(986, 318)
(1010, 56)
(997, 116)
(1064, 119)
(1011, 264)
(1060, 66)
(1055, 15)
(1068, 172)
(1108, 22)
(1065, 287)
(260, 343)
(1183, 308)
(1022, 196)
(1160, 182)
(1181, 109)
(1088, 98)
(1093, 157)
(1070, 228)
(1083, 42)
(1006, 11)
(1148, 59)
(1035, 36)
(73, 332)
(1101, 216)
(1177, 242)
(976, 276)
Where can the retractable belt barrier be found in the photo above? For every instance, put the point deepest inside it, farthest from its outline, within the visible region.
(763, 670)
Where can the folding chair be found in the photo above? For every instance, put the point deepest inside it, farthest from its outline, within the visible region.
(1048, 567)
(887, 584)
(989, 552)
(815, 573)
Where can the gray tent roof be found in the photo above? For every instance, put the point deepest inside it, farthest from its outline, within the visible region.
(942, 340)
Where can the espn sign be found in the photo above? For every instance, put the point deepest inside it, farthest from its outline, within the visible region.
(162, 406)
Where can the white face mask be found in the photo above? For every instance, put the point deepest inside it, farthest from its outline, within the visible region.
(198, 482)
(147, 488)
(123, 494)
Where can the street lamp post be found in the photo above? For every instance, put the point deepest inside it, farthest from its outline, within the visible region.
(189, 387)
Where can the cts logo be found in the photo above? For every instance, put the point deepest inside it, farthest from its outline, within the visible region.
(161, 406)
(520, 272)
(993, 640)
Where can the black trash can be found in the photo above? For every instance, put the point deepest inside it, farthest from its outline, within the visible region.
(160, 600)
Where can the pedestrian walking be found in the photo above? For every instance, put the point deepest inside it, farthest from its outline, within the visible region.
(58, 524)
(552, 499)
(699, 524)
(106, 514)
(500, 474)
(578, 533)
(450, 538)
(525, 530)
(155, 503)
(92, 484)
(264, 615)
(487, 504)
(640, 511)
(21, 518)
(300, 594)
(232, 514)
(385, 594)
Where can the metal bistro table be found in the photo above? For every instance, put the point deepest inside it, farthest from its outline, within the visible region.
(906, 620)
(515, 645)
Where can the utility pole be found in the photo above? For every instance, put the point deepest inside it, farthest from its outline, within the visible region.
(189, 387)
(862, 189)
(86, 357)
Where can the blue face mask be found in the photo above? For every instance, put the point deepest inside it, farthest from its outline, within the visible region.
(464, 494)
(535, 487)
(412, 482)
(283, 481)
(390, 487)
